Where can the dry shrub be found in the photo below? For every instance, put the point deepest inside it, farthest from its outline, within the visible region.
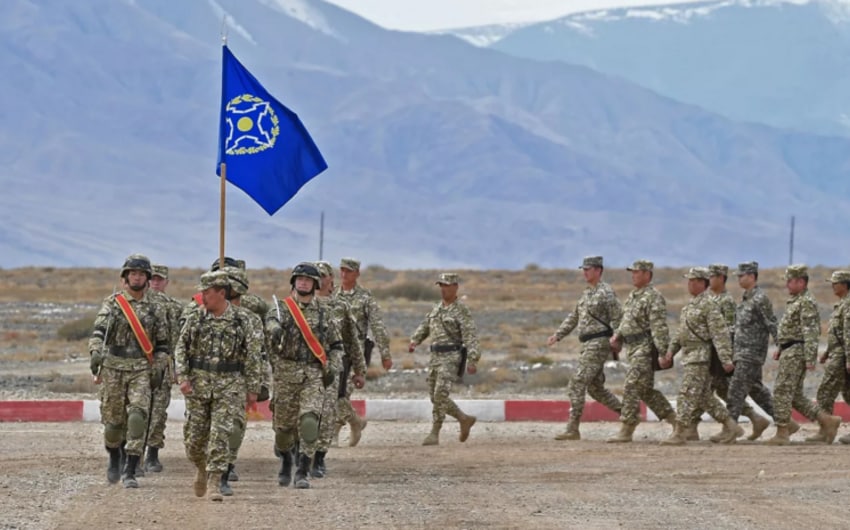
(79, 329)
(73, 384)
(408, 290)
(374, 372)
(540, 359)
(500, 376)
(554, 378)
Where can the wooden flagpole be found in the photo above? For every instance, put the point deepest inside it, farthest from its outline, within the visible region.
(221, 215)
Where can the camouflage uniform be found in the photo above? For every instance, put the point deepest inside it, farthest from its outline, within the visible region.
(597, 314)
(643, 326)
(220, 356)
(837, 348)
(336, 402)
(755, 323)
(450, 328)
(125, 392)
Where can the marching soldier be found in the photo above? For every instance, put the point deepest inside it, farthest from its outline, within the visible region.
(643, 329)
(128, 345)
(597, 314)
(454, 343)
(219, 371)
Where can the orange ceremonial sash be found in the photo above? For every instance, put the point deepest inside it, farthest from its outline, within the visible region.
(310, 338)
(199, 299)
(138, 330)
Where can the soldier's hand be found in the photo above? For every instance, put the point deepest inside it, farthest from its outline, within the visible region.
(411, 347)
(823, 358)
(359, 381)
(551, 340)
(776, 355)
(186, 388)
(810, 367)
(729, 368)
(471, 369)
(157, 376)
(387, 363)
(614, 341)
(251, 398)
(328, 377)
(95, 362)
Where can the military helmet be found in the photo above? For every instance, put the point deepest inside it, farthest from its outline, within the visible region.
(137, 262)
(238, 280)
(305, 268)
(228, 262)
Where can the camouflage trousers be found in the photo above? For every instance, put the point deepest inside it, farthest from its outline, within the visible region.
(788, 389)
(345, 410)
(329, 412)
(834, 382)
(159, 413)
(696, 395)
(442, 373)
(746, 380)
(122, 393)
(298, 391)
(590, 379)
(640, 383)
(720, 387)
(215, 405)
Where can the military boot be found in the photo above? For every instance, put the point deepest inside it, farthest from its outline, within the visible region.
(829, 424)
(466, 422)
(213, 494)
(319, 469)
(302, 474)
(232, 475)
(625, 434)
(782, 436)
(357, 425)
(335, 442)
(200, 483)
(433, 437)
(572, 432)
(818, 437)
(672, 419)
(284, 476)
(731, 432)
(676, 438)
(113, 471)
(224, 487)
(140, 467)
(152, 462)
(129, 478)
(691, 432)
(760, 424)
(793, 427)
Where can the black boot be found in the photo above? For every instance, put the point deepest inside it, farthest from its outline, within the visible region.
(129, 478)
(319, 470)
(152, 462)
(224, 488)
(301, 474)
(232, 476)
(113, 472)
(284, 476)
(122, 462)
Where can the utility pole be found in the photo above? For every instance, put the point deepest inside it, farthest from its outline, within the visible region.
(321, 234)
(791, 244)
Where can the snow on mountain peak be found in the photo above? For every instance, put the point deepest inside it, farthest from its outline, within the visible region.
(302, 11)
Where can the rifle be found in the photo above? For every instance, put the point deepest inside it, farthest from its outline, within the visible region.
(368, 346)
(343, 378)
(715, 367)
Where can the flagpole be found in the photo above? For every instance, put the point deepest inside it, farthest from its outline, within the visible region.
(221, 215)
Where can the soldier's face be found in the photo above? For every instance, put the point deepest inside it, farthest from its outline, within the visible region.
(137, 280)
(795, 285)
(839, 289)
(640, 278)
(716, 282)
(448, 292)
(349, 277)
(304, 285)
(158, 283)
(696, 286)
(592, 274)
(327, 284)
(214, 298)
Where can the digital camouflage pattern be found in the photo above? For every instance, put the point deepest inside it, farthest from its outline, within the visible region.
(217, 401)
(367, 315)
(298, 388)
(600, 302)
(800, 322)
(837, 348)
(755, 323)
(125, 387)
(352, 353)
(162, 395)
(644, 323)
(696, 395)
(447, 325)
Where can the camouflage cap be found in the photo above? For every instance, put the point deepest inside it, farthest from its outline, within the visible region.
(641, 265)
(448, 278)
(350, 264)
(591, 261)
(214, 279)
(718, 269)
(747, 267)
(698, 273)
(840, 277)
(238, 279)
(796, 271)
(325, 268)
(228, 262)
(160, 270)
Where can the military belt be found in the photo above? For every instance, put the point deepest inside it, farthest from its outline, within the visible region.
(445, 348)
(635, 337)
(225, 367)
(126, 353)
(598, 335)
(785, 345)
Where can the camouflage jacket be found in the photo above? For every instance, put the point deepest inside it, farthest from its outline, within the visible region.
(367, 315)
(701, 324)
(284, 341)
(173, 311)
(255, 304)
(353, 348)
(450, 324)
(110, 320)
(598, 301)
(645, 317)
(801, 322)
(755, 323)
(838, 334)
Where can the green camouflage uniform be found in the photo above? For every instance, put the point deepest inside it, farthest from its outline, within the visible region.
(601, 303)
(220, 356)
(838, 361)
(125, 393)
(162, 395)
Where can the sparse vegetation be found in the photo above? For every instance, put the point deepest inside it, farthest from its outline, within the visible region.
(78, 329)
(412, 291)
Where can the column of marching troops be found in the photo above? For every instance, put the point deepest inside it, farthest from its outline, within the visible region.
(228, 349)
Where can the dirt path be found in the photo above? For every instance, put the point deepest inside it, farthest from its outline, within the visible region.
(509, 475)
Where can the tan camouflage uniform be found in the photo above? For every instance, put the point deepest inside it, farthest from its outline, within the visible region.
(835, 375)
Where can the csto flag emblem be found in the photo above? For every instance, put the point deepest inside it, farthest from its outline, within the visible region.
(252, 125)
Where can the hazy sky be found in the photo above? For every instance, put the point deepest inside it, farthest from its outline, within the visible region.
(423, 15)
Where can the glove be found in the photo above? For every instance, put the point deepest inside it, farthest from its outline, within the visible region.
(157, 376)
(96, 362)
(328, 377)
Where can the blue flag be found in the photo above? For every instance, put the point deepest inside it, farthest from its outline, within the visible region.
(268, 152)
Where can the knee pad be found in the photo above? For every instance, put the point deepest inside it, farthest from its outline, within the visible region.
(113, 434)
(237, 433)
(284, 439)
(309, 427)
(136, 425)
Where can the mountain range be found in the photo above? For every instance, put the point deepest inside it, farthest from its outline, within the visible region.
(440, 153)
